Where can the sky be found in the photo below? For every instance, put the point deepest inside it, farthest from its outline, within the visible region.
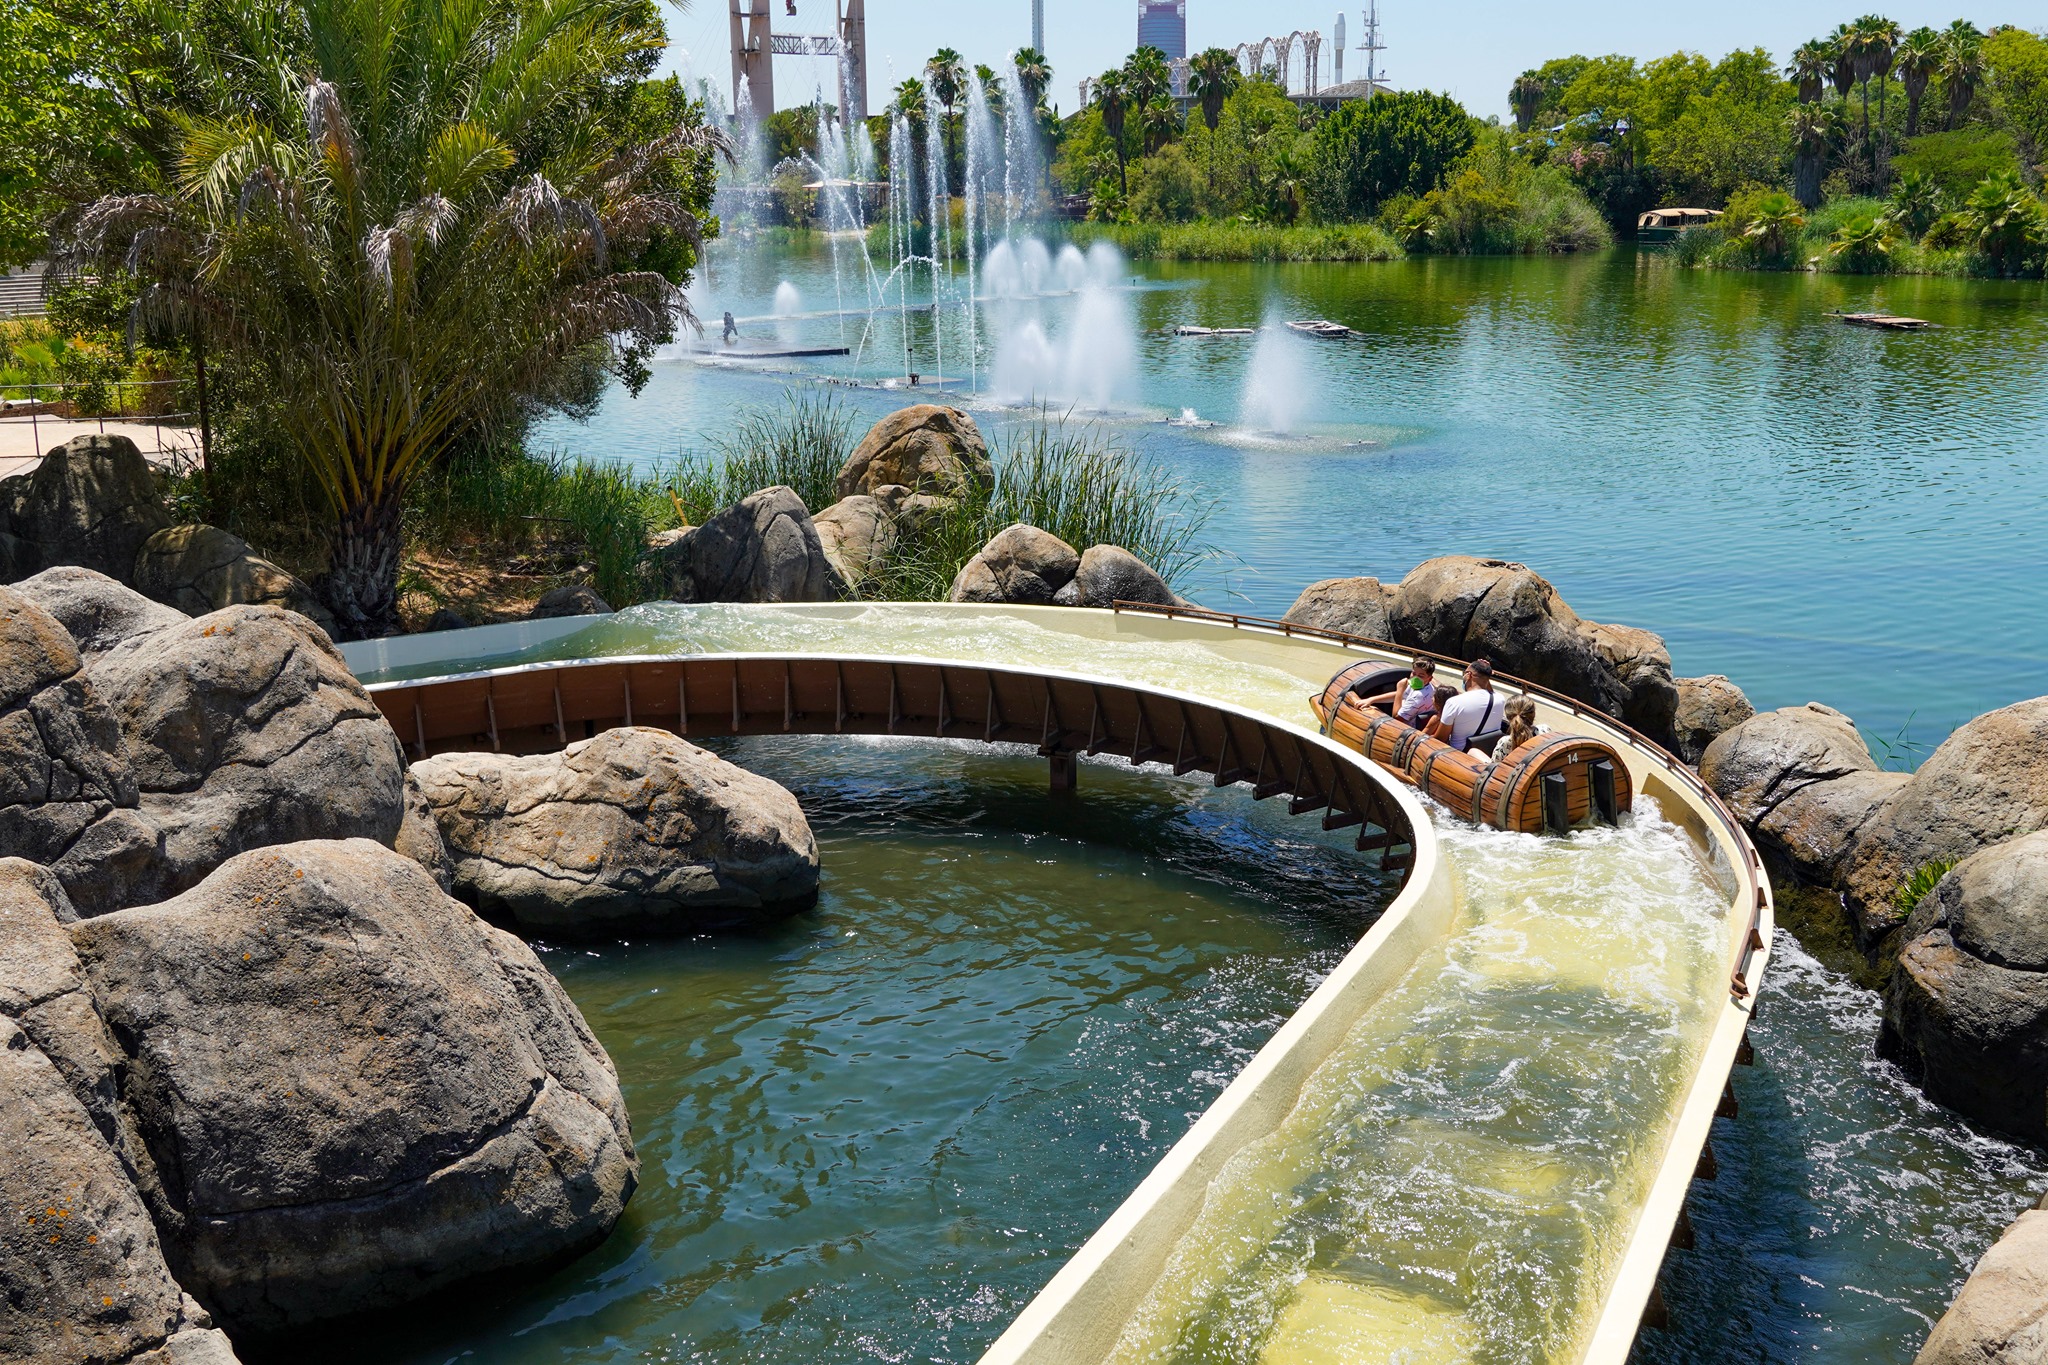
(1471, 49)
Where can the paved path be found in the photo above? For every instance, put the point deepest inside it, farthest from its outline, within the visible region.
(24, 440)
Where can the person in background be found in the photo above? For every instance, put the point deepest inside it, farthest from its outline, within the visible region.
(732, 328)
(1414, 700)
(1521, 726)
(1472, 712)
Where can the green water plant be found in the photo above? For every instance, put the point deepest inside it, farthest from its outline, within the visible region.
(1920, 884)
(799, 444)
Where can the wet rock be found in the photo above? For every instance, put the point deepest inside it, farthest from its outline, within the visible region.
(635, 829)
(98, 613)
(571, 599)
(1469, 608)
(92, 502)
(1353, 606)
(243, 728)
(445, 618)
(2001, 1315)
(1109, 574)
(1707, 708)
(1966, 1013)
(858, 535)
(926, 448)
(84, 1274)
(68, 795)
(198, 569)
(358, 1092)
(1802, 782)
(1988, 782)
(764, 548)
(1020, 565)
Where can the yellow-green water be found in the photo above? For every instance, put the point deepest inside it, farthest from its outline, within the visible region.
(1460, 1175)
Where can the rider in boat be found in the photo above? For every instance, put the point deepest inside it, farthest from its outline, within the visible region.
(1414, 700)
(1475, 711)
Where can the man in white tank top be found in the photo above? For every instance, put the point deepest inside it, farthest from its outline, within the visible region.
(1474, 711)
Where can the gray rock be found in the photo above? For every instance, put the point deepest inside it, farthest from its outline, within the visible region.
(419, 836)
(85, 1276)
(764, 548)
(68, 795)
(445, 618)
(358, 1092)
(926, 448)
(1109, 574)
(858, 535)
(1353, 606)
(1707, 708)
(2001, 1315)
(1021, 565)
(1988, 782)
(243, 728)
(199, 569)
(99, 613)
(92, 502)
(635, 829)
(1966, 1012)
(1469, 608)
(1802, 782)
(570, 599)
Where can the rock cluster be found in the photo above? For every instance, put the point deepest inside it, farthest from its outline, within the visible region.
(929, 450)
(1024, 566)
(199, 569)
(1803, 783)
(1470, 608)
(2001, 1316)
(635, 829)
(764, 548)
(252, 1059)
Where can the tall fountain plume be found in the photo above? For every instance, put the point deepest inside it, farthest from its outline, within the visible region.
(938, 219)
(1023, 166)
(984, 148)
(902, 220)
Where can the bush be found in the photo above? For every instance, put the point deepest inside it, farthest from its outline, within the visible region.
(1237, 240)
(1863, 246)
(1165, 188)
(1498, 203)
(1372, 150)
(1956, 162)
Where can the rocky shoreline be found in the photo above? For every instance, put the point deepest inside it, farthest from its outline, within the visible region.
(270, 1063)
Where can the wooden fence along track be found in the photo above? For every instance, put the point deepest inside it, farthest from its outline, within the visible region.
(547, 706)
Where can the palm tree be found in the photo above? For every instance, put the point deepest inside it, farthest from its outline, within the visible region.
(1841, 45)
(1112, 96)
(1877, 39)
(2007, 222)
(1526, 97)
(1213, 77)
(1863, 246)
(408, 223)
(1915, 204)
(1813, 128)
(1148, 76)
(1290, 186)
(1919, 57)
(1811, 64)
(1159, 121)
(1773, 226)
(1034, 72)
(1962, 67)
(945, 77)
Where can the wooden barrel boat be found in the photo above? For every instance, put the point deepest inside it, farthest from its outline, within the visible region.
(1551, 784)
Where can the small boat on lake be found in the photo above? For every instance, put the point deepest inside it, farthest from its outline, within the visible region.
(1890, 322)
(1666, 225)
(1318, 327)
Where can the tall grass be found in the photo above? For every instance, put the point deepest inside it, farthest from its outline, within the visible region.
(1074, 482)
(799, 444)
(1237, 240)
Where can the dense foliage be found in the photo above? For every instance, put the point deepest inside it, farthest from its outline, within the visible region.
(1369, 151)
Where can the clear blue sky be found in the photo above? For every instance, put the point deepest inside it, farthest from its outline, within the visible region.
(1471, 49)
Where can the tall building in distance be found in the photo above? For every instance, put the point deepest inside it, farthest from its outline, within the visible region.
(1038, 26)
(1164, 24)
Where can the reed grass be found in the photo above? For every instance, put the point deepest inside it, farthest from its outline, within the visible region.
(799, 444)
(1236, 240)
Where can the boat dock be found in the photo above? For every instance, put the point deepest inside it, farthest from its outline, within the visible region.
(1889, 322)
(1319, 327)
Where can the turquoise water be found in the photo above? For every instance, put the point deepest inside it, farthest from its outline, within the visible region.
(1707, 454)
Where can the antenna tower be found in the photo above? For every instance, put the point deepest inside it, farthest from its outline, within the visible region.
(1038, 26)
(1372, 47)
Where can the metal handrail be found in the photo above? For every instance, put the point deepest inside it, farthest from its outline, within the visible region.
(1752, 870)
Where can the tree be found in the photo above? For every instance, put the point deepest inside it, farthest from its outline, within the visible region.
(405, 223)
(2007, 223)
(1213, 77)
(2017, 64)
(1962, 68)
(1148, 76)
(1034, 73)
(1774, 226)
(945, 79)
(1919, 57)
(1812, 61)
(1112, 97)
(1876, 40)
(1371, 150)
(1841, 46)
(1525, 96)
(1158, 121)
(1813, 132)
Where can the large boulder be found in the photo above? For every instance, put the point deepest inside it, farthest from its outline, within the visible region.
(1966, 1013)
(356, 1091)
(92, 502)
(68, 795)
(1468, 608)
(242, 728)
(83, 1280)
(1802, 782)
(2001, 1316)
(570, 599)
(859, 534)
(1351, 606)
(420, 839)
(1021, 565)
(764, 548)
(1707, 709)
(1986, 783)
(931, 450)
(635, 829)
(1109, 574)
(199, 569)
(98, 613)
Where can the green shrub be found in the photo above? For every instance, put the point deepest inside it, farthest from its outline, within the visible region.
(1955, 162)
(1238, 240)
(1924, 879)
(1863, 246)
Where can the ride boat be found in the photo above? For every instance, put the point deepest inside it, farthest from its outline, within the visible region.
(1550, 784)
(1667, 225)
